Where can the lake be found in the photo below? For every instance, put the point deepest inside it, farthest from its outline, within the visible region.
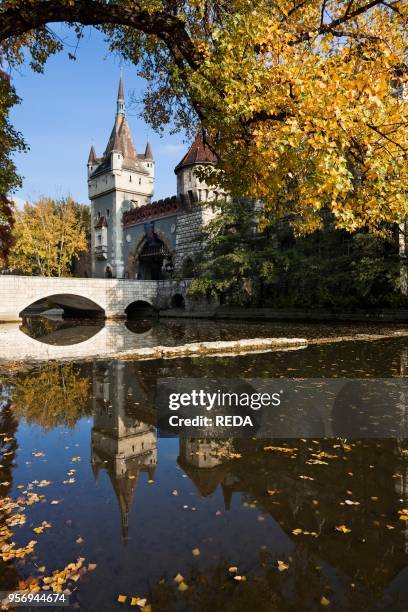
(198, 524)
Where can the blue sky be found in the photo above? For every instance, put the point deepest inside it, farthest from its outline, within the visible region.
(71, 106)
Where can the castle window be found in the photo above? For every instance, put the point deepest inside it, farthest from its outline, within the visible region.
(107, 212)
(130, 178)
(140, 181)
(99, 215)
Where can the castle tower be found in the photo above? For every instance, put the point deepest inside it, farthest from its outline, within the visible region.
(197, 203)
(119, 180)
(121, 444)
(190, 188)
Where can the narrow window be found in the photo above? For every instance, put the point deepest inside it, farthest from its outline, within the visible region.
(140, 181)
(130, 178)
(107, 212)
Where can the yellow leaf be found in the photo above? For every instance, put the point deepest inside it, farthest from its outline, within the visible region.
(179, 578)
(182, 587)
(343, 529)
(282, 566)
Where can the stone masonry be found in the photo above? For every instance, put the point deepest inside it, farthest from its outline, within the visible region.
(111, 296)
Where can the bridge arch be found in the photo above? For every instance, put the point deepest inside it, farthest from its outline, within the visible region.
(178, 301)
(72, 305)
(139, 309)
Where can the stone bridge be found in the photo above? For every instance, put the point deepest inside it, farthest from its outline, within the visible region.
(98, 296)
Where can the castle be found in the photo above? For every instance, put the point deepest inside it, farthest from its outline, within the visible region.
(131, 235)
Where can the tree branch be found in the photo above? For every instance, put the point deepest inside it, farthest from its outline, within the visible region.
(26, 16)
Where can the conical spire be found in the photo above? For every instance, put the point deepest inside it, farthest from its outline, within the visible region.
(120, 103)
(148, 151)
(120, 90)
(92, 155)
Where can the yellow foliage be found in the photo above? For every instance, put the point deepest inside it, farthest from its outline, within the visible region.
(48, 237)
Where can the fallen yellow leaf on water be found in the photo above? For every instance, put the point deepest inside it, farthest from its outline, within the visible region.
(150, 481)
(280, 449)
(282, 566)
(131, 477)
(182, 587)
(133, 601)
(179, 578)
(297, 531)
(79, 540)
(92, 566)
(196, 552)
(141, 602)
(324, 601)
(175, 492)
(240, 578)
(233, 569)
(342, 529)
(122, 598)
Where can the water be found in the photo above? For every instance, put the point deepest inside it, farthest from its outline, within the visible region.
(145, 509)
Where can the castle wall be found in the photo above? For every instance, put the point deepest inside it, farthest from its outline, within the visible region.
(189, 239)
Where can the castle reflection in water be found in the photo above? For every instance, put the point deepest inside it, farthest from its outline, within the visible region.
(124, 444)
(124, 440)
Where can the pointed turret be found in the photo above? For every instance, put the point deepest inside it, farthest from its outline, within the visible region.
(120, 103)
(148, 152)
(92, 156)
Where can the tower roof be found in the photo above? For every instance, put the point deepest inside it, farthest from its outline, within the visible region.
(92, 155)
(121, 141)
(120, 90)
(198, 153)
(148, 151)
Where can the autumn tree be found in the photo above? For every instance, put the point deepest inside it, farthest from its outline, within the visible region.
(49, 235)
(10, 142)
(298, 99)
(57, 395)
